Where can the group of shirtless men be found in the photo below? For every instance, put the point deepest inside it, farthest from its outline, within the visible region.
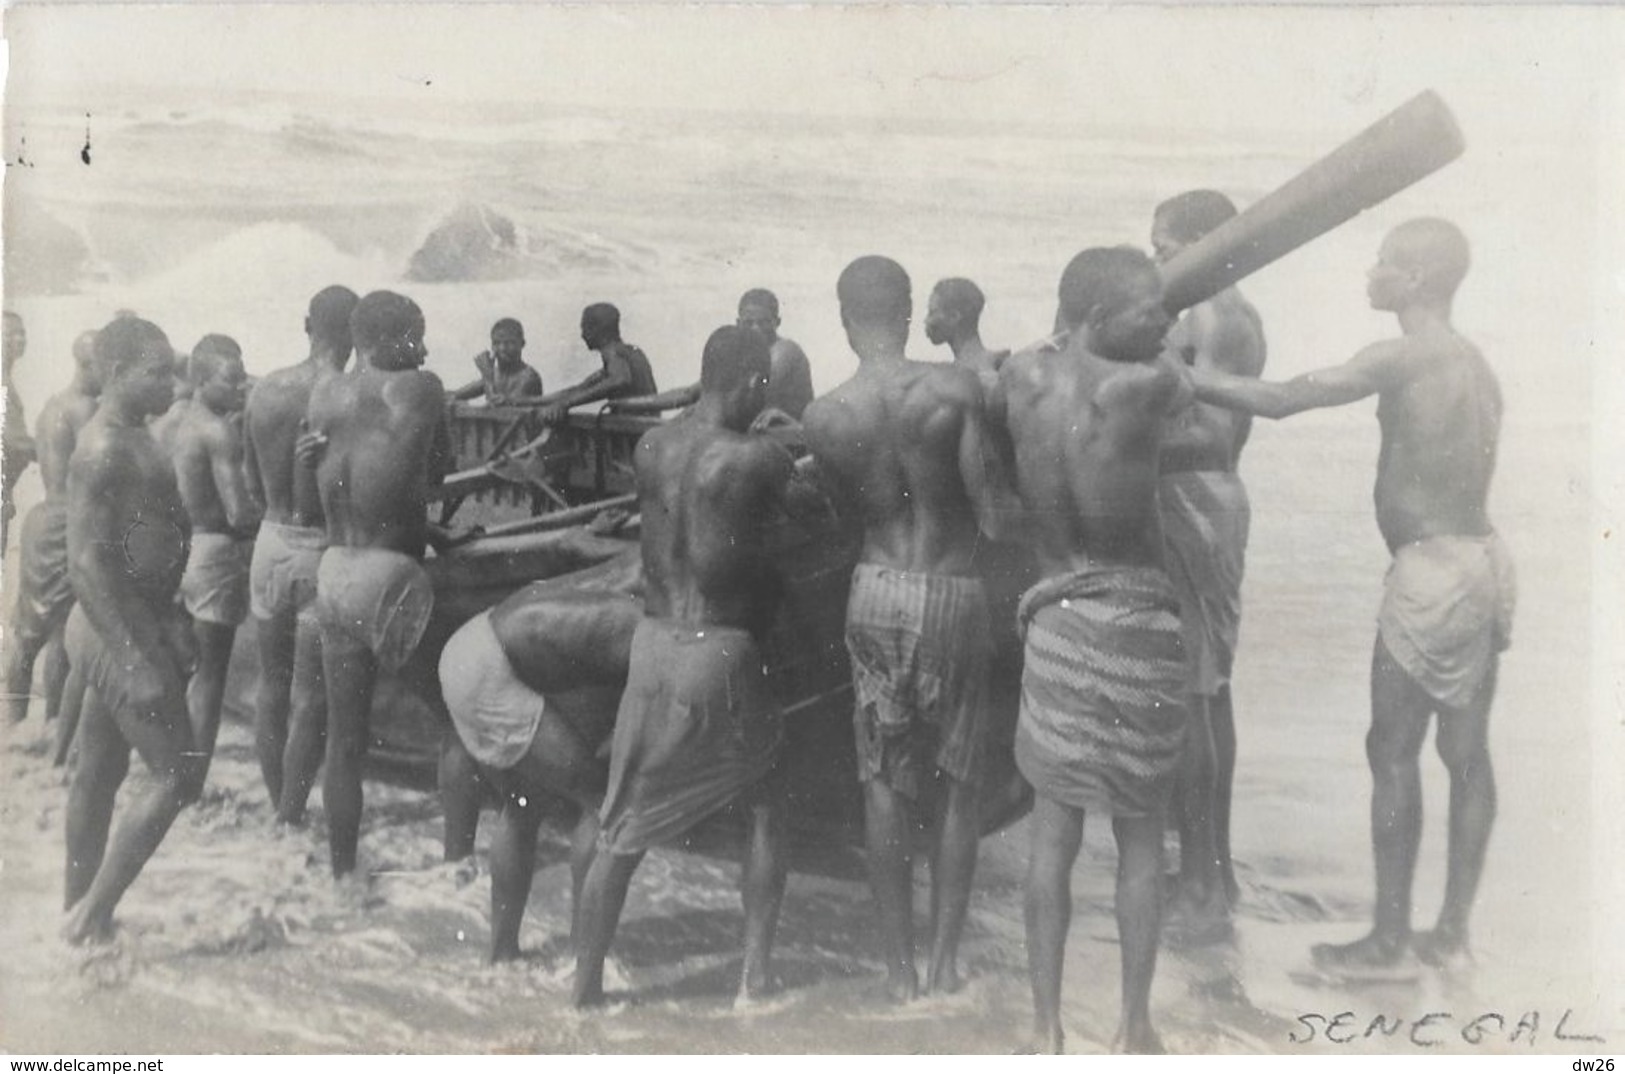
(1108, 449)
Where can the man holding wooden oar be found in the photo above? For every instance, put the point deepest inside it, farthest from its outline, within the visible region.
(1447, 606)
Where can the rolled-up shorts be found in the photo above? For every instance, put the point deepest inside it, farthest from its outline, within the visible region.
(215, 585)
(282, 573)
(44, 593)
(377, 598)
(496, 715)
(107, 671)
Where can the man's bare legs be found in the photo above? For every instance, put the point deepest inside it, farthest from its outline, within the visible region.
(761, 883)
(953, 867)
(276, 644)
(887, 819)
(1399, 719)
(461, 792)
(1201, 905)
(68, 712)
(1222, 720)
(351, 671)
(206, 692)
(558, 763)
(1139, 919)
(307, 724)
(56, 670)
(1463, 744)
(1056, 833)
(164, 741)
(603, 896)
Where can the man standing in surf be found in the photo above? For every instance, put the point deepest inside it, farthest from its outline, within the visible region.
(1447, 604)
(1205, 520)
(128, 536)
(383, 442)
(697, 728)
(291, 705)
(1103, 715)
(902, 444)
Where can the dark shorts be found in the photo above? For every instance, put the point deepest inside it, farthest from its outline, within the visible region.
(106, 672)
(921, 651)
(44, 593)
(696, 729)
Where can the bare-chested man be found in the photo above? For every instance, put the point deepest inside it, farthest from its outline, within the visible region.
(1205, 519)
(1103, 718)
(17, 449)
(697, 728)
(532, 687)
(788, 392)
(207, 450)
(789, 388)
(290, 725)
(625, 371)
(1447, 607)
(901, 443)
(128, 535)
(505, 379)
(954, 317)
(381, 434)
(44, 594)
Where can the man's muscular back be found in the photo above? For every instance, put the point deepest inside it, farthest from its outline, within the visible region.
(207, 458)
(1440, 430)
(1086, 434)
(707, 495)
(382, 430)
(276, 410)
(894, 438)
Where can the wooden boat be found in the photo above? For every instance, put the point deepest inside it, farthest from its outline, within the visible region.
(537, 511)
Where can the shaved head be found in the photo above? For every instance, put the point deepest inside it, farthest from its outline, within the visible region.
(329, 316)
(1103, 278)
(732, 355)
(874, 292)
(1434, 248)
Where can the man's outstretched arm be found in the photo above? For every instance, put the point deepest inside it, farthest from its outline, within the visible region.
(1378, 368)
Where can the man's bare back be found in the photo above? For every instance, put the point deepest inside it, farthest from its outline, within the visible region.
(63, 415)
(1223, 333)
(895, 438)
(206, 448)
(382, 431)
(1086, 451)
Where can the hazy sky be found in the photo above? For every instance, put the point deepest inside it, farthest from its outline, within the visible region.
(1528, 71)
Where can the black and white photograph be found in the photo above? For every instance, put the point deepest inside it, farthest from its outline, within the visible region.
(651, 529)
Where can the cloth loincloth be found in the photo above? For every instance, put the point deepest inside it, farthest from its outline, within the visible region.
(696, 727)
(107, 672)
(1103, 714)
(921, 650)
(1205, 519)
(44, 593)
(495, 714)
(215, 585)
(375, 597)
(1446, 612)
(282, 573)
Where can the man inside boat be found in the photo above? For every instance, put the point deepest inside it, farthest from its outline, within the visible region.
(1103, 718)
(505, 378)
(207, 451)
(789, 388)
(902, 445)
(291, 716)
(697, 729)
(380, 437)
(625, 370)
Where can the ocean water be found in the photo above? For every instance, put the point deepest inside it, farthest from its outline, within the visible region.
(227, 218)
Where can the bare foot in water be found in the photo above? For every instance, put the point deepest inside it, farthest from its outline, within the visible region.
(755, 989)
(1372, 958)
(903, 986)
(945, 981)
(1192, 921)
(82, 928)
(1044, 1041)
(1140, 1040)
(1442, 949)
